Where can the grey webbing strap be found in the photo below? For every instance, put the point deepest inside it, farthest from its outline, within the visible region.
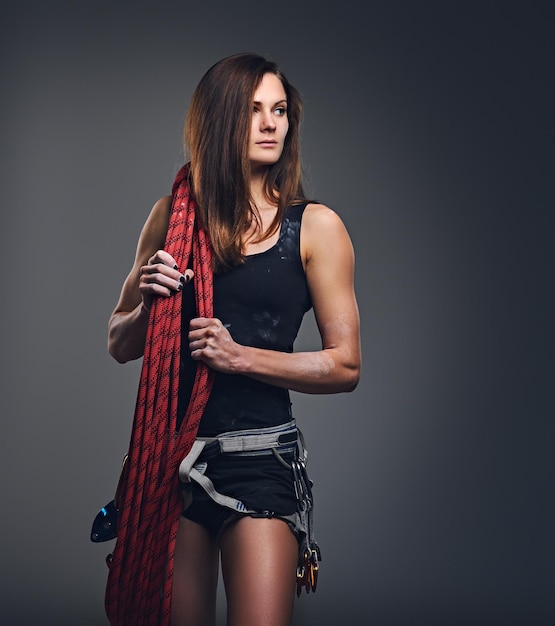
(257, 439)
(249, 443)
(186, 465)
(189, 471)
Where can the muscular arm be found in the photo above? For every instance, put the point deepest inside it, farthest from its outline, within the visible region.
(329, 264)
(153, 274)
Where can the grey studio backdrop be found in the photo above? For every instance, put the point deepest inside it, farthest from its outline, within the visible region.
(428, 128)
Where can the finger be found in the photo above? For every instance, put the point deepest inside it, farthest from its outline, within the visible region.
(198, 339)
(152, 269)
(198, 342)
(161, 256)
(198, 323)
(149, 290)
(197, 355)
(158, 280)
(197, 346)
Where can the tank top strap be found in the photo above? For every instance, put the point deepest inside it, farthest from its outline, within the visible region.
(292, 217)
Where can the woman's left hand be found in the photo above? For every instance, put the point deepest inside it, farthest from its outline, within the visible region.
(210, 341)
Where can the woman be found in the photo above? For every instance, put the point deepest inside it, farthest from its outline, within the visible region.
(259, 257)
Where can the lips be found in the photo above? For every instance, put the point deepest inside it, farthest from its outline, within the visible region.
(267, 144)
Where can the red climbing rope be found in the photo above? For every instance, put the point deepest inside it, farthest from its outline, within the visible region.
(139, 587)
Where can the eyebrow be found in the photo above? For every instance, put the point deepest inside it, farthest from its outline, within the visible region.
(283, 101)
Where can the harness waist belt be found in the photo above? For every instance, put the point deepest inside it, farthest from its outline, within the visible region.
(251, 441)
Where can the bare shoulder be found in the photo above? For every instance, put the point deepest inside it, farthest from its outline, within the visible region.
(316, 212)
(322, 229)
(319, 219)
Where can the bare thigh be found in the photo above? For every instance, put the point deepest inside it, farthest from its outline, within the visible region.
(259, 561)
(195, 576)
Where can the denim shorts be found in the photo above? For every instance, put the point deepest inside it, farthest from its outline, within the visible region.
(261, 482)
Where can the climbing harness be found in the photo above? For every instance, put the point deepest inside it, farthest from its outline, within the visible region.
(276, 440)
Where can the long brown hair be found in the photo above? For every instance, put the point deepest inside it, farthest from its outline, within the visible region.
(216, 136)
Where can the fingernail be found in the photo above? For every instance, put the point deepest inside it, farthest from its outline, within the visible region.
(182, 279)
(175, 266)
(187, 277)
(179, 287)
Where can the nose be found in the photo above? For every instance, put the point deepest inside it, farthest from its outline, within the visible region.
(267, 121)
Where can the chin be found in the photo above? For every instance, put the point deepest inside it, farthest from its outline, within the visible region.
(266, 158)
(260, 158)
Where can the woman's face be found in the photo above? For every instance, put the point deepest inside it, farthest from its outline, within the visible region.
(269, 123)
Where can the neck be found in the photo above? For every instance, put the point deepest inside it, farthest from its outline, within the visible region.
(263, 211)
(257, 189)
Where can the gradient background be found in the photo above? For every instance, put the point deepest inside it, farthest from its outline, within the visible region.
(429, 129)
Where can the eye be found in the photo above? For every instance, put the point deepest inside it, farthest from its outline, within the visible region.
(281, 111)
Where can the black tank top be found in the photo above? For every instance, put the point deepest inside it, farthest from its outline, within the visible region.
(262, 304)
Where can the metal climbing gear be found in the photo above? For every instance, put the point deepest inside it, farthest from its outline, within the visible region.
(309, 553)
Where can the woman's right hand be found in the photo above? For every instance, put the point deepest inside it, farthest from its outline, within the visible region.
(154, 274)
(161, 277)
